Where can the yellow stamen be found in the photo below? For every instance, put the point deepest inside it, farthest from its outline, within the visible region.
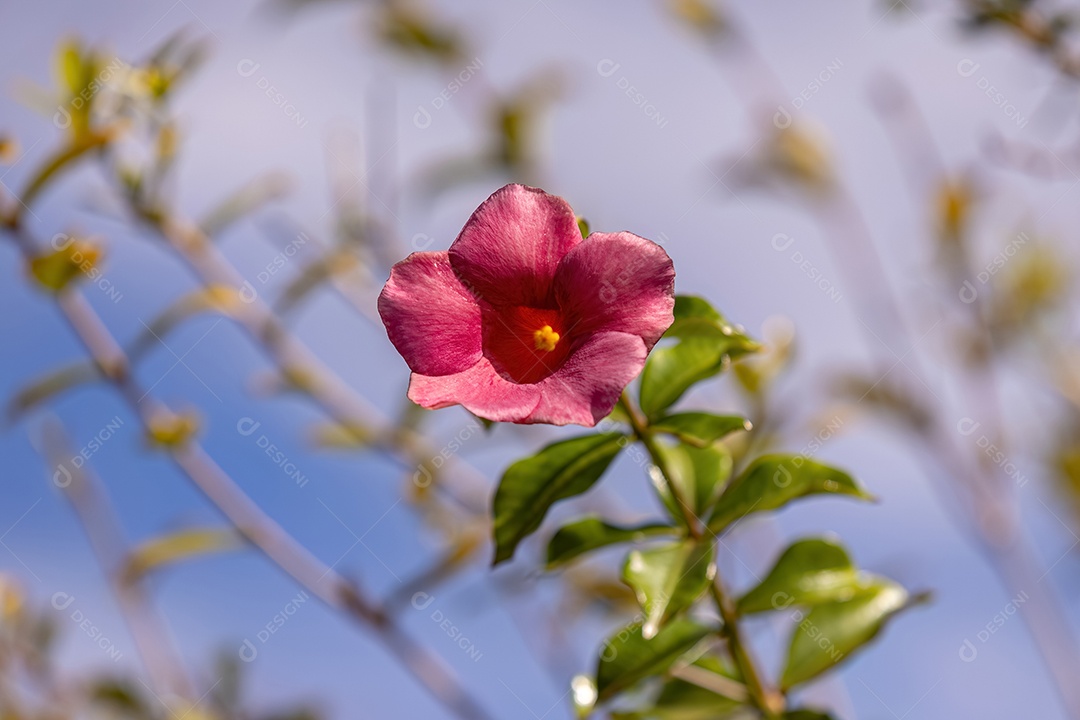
(546, 338)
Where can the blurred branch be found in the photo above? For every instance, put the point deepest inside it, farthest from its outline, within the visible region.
(103, 530)
(292, 358)
(1008, 552)
(262, 531)
(1044, 33)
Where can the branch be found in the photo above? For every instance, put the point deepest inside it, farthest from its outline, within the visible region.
(263, 532)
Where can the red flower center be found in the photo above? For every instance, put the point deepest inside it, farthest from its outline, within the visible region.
(525, 344)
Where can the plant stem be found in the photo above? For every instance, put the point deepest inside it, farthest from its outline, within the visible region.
(639, 424)
(768, 701)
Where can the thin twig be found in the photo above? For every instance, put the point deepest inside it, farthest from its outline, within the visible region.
(85, 492)
(263, 532)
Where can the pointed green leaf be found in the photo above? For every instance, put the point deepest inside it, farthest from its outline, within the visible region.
(532, 485)
(628, 658)
(583, 226)
(829, 633)
(668, 578)
(682, 700)
(772, 481)
(695, 317)
(809, 572)
(707, 342)
(671, 371)
(704, 690)
(700, 428)
(69, 64)
(592, 533)
(806, 714)
(51, 385)
(698, 473)
(175, 547)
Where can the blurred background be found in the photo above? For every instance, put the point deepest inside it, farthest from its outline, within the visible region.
(883, 192)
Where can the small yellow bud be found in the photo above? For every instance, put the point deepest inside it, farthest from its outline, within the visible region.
(172, 429)
(56, 269)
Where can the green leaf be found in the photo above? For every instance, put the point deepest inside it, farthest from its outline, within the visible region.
(828, 634)
(120, 697)
(806, 714)
(683, 700)
(618, 415)
(707, 342)
(809, 572)
(51, 385)
(700, 428)
(532, 485)
(176, 547)
(695, 317)
(672, 370)
(698, 473)
(628, 658)
(772, 481)
(592, 533)
(694, 695)
(668, 578)
(704, 690)
(69, 65)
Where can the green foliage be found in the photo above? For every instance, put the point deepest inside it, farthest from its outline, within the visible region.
(591, 533)
(836, 607)
(700, 429)
(809, 572)
(668, 578)
(680, 699)
(628, 657)
(829, 633)
(175, 547)
(706, 343)
(51, 385)
(698, 474)
(772, 481)
(530, 486)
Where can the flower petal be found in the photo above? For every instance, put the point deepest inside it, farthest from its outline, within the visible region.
(617, 282)
(480, 389)
(431, 318)
(586, 388)
(509, 249)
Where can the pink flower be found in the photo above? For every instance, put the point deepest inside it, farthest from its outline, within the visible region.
(524, 321)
